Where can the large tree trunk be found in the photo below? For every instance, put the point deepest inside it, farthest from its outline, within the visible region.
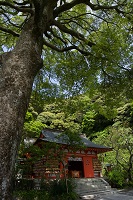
(17, 71)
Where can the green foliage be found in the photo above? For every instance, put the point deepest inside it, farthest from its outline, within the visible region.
(100, 57)
(109, 63)
(116, 178)
(28, 117)
(120, 137)
(33, 128)
(24, 184)
(53, 190)
(44, 91)
(32, 194)
(103, 125)
(97, 117)
(46, 117)
(58, 187)
(62, 189)
(105, 69)
(56, 116)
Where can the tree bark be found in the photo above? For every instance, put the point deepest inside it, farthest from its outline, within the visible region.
(17, 71)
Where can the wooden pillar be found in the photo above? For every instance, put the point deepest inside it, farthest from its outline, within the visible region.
(61, 170)
(88, 167)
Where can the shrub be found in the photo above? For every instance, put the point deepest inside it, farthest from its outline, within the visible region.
(52, 190)
(31, 195)
(23, 184)
(116, 178)
(62, 189)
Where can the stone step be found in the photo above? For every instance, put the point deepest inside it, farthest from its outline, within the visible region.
(98, 181)
(95, 192)
(88, 197)
(93, 186)
(92, 191)
(93, 181)
(126, 191)
(90, 188)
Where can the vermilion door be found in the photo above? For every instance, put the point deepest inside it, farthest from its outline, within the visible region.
(88, 167)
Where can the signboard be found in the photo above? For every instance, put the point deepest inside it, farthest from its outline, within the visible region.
(74, 159)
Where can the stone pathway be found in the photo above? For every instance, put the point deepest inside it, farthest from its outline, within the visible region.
(99, 189)
(115, 197)
(119, 195)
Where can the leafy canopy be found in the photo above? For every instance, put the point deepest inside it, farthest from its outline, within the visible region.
(95, 39)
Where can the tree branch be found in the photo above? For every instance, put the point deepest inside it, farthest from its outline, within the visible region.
(8, 19)
(85, 14)
(70, 31)
(23, 3)
(85, 53)
(23, 9)
(58, 37)
(6, 30)
(68, 6)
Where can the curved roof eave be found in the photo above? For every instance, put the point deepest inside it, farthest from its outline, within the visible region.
(54, 136)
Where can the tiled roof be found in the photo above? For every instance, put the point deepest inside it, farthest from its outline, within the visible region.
(60, 138)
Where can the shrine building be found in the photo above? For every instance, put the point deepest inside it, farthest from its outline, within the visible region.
(81, 163)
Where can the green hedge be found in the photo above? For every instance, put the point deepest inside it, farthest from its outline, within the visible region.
(52, 190)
